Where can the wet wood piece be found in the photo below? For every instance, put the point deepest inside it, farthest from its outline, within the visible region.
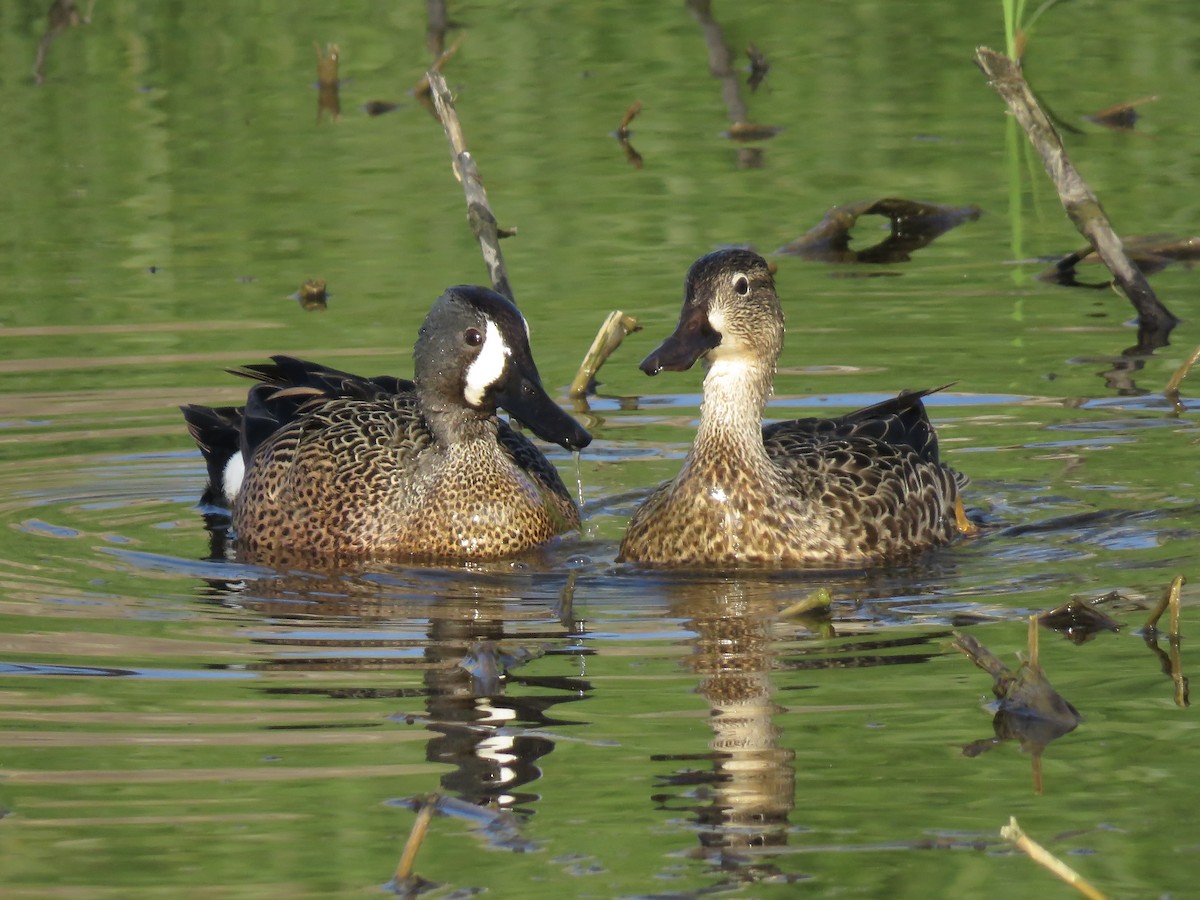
(329, 100)
(408, 857)
(479, 211)
(1170, 600)
(1149, 254)
(1155, 321)
(1026, 691)
(913, 225)
(1078, 621)
(1013, 833)
(1029, 710)
(615, 329)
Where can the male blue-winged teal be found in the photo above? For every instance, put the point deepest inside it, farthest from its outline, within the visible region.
(324, 463)
(861, 489)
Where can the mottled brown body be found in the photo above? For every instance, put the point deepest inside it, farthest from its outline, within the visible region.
(324, 463)
(366, 478)
(858, 490)
(807, 498)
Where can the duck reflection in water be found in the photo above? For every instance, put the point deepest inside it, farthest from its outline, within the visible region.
(742, 802)
(479, 630)
(744, 799)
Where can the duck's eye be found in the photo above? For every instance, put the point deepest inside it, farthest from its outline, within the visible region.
(741, 284)
(473, 337)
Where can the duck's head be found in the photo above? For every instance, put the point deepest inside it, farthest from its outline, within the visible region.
(730, 312)
(473, 351)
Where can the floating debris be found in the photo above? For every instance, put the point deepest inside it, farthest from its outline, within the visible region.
(379, 107)
(614, 330)
(1121, 116)
(1170, 600)
(1151, 254)
(312, 294)
(1172, 662)
(758, 67)
(1078, 620)
(622, 134)
(1029, 710)
(329, 101)
(913, 225)
(818, 603)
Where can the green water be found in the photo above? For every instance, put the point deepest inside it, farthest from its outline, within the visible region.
(176, 726)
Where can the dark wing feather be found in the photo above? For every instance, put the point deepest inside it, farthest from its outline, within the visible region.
(217, 432)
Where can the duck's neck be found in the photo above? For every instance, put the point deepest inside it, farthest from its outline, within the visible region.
(452, 425)
(735, 393)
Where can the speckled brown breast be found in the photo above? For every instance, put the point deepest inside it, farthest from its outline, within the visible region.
(821, 501)
(365, 478)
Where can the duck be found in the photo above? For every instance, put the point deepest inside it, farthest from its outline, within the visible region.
(859, 490)
(327, 464)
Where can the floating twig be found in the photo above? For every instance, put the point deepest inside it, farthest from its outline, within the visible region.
(1155, 321)
(479, 211)
(614, 330)
(415, 837)
(1013, 833)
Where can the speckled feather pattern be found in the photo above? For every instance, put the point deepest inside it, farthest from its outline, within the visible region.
(342, 466)
(857, 490)
(366, 478)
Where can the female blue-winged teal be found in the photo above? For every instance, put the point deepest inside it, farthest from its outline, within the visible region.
(324, 463)
(861, 489)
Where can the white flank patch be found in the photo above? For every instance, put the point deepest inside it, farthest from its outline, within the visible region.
(231, 477)
(488, 366)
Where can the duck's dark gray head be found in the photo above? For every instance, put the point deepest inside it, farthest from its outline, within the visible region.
(473, 351)
(730, 308)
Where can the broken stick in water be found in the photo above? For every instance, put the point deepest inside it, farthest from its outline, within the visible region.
(1170, 600)
(479, 211)
(415, 837)
(1013, 833)
(614, 330)
(1155, 321)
